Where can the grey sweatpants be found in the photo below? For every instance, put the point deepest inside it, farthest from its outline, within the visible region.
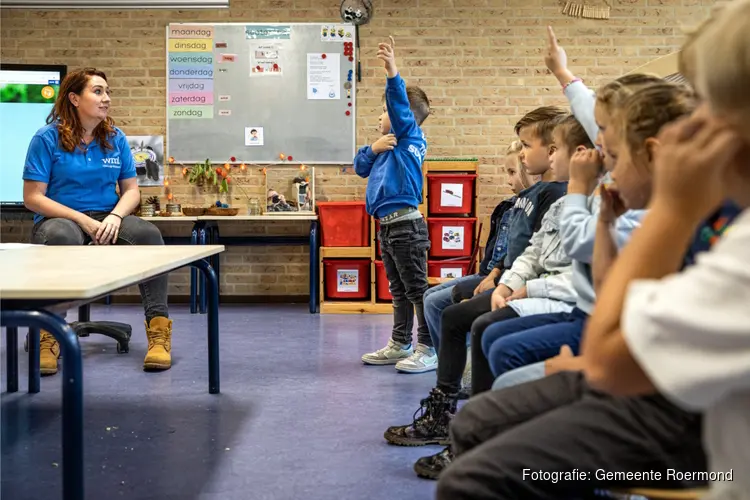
(513, 444)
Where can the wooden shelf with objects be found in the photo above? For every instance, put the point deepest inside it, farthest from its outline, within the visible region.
(374, 305)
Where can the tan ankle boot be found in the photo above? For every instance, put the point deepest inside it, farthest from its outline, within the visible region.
(49, 351)
(159, 333)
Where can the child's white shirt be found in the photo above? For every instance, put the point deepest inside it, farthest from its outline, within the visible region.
(690, 332)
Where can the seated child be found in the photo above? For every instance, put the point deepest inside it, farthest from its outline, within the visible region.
(558, 423)
(544, 269)
(496, 254)
(686, 333)
(393, 166)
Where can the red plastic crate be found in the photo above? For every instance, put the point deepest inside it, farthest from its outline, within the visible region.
(451, 194)
(448, 268)
(344, 224)
(382, 285)
(451, 237)
(347, 278)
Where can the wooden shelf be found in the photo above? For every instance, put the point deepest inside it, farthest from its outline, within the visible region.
(329, 307)
(372, 306)
(346, 252)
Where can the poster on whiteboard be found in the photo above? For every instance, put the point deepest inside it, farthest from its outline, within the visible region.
(453, 238)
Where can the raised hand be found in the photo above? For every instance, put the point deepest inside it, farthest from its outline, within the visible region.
(387, 54)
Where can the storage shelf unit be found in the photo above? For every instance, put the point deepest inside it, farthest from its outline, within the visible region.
(373, 305)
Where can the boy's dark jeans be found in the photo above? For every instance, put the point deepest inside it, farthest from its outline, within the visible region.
(404, 248)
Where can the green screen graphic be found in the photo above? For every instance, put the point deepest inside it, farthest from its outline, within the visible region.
(28, 93)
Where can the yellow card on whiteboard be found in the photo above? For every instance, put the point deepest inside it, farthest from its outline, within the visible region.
(190, 45)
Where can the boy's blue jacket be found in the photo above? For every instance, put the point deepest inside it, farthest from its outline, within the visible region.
(395, 177)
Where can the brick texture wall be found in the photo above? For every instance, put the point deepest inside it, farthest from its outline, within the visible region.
(480, 62)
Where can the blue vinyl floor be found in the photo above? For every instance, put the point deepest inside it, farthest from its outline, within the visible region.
(299, 416)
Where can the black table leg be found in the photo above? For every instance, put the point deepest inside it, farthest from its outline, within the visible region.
(314, 268)
(35, 377)
(212, 294)
(11, 359)
(194, 274)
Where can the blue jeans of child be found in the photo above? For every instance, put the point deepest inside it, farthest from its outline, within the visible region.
(522, 341)
(438, 298)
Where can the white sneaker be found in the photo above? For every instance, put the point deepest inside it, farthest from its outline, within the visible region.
(388, 355)
(423, 360)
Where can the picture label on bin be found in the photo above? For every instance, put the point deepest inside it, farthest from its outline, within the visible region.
(453, 238)
(347, 280)
(451, 272)
(452, 195)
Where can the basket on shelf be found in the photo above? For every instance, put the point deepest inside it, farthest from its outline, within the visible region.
(193, 211)
(222, 211)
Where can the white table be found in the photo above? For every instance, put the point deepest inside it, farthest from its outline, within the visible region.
(35, 278)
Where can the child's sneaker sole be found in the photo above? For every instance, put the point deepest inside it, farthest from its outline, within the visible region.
(416, 369)
(392, 361)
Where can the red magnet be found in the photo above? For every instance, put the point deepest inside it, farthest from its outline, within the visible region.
(233, 158)
(350, 105)
(351, 58)
(289, 158)
(258, 67)
(348, 112)
(275, 66)
(323, 56)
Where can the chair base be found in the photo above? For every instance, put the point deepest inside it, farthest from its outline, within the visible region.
(119, 332)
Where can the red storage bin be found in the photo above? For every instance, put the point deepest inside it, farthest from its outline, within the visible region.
(347, 278)
(451, 193)
(448, 268)
(382, 285)
(451, 237)
(344, 224)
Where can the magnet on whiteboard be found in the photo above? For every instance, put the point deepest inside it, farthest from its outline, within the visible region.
(323, 56)
(351, 58)
(349, 104)
(225, 112)
(348, 112)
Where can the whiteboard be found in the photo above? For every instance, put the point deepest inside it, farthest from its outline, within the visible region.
(256, 91)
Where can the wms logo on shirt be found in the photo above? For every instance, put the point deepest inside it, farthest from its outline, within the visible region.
(113, 162)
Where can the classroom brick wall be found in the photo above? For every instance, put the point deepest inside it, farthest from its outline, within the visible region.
(480, 61)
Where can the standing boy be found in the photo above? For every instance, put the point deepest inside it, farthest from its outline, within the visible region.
(393, 165)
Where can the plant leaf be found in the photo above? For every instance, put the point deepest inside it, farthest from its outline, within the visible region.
(224, 187)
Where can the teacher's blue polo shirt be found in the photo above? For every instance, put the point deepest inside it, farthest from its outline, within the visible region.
(83, 181)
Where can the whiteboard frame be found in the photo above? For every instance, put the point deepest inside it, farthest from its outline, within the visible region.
(285, 162)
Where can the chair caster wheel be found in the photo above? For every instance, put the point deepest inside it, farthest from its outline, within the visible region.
(123, 348)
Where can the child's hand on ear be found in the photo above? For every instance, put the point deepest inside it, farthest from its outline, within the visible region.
(388, 56)
(585, 169)
(691, 164)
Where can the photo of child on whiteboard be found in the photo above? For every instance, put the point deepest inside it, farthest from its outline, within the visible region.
(393, 167)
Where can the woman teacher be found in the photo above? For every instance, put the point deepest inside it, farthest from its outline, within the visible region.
(73, 166)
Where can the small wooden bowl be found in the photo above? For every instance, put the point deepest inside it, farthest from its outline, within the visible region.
(222, 211)
(193, 211)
